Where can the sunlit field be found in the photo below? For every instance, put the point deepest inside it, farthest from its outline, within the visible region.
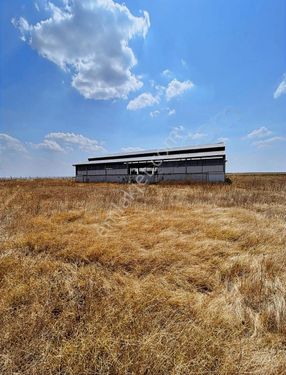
(128, 279)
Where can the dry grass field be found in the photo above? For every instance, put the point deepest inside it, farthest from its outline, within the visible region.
(165, 279)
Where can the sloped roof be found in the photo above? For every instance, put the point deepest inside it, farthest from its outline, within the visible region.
(205, 151)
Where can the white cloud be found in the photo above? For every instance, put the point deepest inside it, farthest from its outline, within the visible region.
(132, 149)
(176, 88)
(48, 145)
(167, 73)
(53, 156)
(66, 142)
(159, 88)
(154, 113)
(144, 100)
(281, 89)
(171, 112)
(10, 144)
(197, 135)
(89, 40)
(13, 155)
(71, 141)
(37, 7)
(177, 133)
(269, 141)
(259, 133)
(261, 138)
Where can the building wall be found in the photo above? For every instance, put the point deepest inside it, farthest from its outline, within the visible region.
(207, 170)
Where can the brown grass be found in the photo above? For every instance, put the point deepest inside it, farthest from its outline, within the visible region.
(187, 279)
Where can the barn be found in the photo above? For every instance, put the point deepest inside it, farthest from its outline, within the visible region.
(204, 163)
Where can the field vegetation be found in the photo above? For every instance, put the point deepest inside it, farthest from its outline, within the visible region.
(160, 279)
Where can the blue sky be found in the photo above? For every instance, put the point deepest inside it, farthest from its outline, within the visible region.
(80, 78)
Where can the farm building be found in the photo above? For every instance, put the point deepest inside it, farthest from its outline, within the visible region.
(198, 163)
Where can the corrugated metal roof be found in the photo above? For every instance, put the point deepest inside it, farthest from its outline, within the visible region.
(211, 154)
(157, 151)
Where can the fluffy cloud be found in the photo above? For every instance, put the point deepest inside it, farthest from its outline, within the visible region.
(144, 100)
(179, 136)
(259, 133)
(10, 144)
(177, 133)
(281, 89)
(71, 141)
(167, 73)
(269, 141)
(171, 112)
(154, 113)
(176, 88)
(89, 39)
(167, 110)
(48, 145)
(56, 142)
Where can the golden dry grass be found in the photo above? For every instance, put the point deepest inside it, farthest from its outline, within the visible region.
(187, 279)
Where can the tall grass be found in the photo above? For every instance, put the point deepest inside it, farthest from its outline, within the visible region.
(188, 279)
